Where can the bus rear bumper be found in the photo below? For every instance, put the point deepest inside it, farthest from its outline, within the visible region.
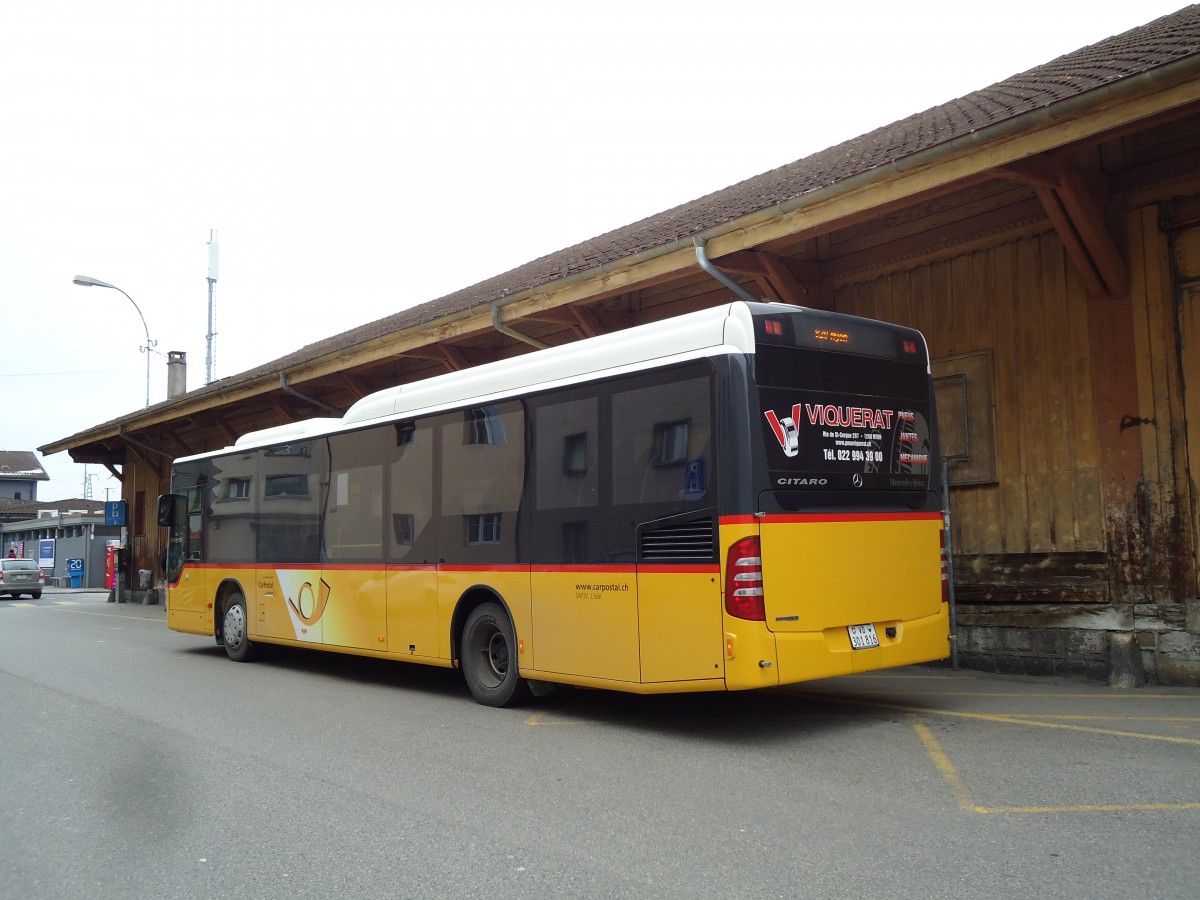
(827, 654)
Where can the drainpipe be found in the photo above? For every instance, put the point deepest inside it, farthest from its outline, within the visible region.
(288, 389)
(512, 333)
(707, 266)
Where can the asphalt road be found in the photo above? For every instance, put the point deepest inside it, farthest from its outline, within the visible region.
(141, 763)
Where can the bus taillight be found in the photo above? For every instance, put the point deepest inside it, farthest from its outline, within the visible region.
(744, 581)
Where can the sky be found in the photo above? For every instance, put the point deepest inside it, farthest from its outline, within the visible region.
(357, 158)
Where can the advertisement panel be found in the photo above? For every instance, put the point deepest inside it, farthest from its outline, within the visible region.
(839, 441)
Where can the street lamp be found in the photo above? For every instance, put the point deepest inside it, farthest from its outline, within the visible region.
(95, 282)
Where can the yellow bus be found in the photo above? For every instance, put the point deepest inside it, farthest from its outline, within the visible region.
(735, 498)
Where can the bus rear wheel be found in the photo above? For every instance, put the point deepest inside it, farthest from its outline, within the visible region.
(235, 629)
(489, 658)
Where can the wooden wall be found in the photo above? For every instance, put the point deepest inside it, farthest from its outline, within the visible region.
(1092, 499)
(1019, 299)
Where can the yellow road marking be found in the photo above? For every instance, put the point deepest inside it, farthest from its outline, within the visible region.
(1011, 694)
(81, 612)
(1017, 719)
(963, 796)
(538, 717)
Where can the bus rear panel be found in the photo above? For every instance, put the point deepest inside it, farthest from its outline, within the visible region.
(847, 529)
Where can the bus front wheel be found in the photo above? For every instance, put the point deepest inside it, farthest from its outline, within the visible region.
(235, 628)
(489, 658)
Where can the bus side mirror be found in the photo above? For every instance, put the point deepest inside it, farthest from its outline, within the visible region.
(166, 508)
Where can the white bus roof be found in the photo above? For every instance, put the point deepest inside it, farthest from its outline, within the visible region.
(726, 329)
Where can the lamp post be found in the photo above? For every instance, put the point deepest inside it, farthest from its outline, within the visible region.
(85, 281)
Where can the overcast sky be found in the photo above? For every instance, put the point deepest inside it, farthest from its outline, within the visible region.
(357, 158)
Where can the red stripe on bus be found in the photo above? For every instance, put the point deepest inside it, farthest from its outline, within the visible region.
(577, 569)
(852, 517)
(831, 517)
(677, 568)
(462, 567)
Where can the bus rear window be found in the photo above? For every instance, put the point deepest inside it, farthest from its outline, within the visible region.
(841, 421)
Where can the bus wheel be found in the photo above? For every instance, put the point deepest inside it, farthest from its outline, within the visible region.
(489, 658)
(236, 629)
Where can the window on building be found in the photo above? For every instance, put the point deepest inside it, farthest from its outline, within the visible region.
(287, 486)
(670, 442)
(483, 528)
(139, 512)
(575, 458)
(485, 426)
(966, 403)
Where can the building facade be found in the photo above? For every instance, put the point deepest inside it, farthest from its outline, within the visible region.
(1044, 233)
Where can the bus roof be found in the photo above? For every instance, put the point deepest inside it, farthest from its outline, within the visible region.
(720, 330)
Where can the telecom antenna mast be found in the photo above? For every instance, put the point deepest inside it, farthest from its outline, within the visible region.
(209, 361)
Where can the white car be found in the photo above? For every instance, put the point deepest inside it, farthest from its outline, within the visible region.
(21, 576)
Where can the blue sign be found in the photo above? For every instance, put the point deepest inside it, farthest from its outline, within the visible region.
(75, 565)
(695, 478)
(114, 512)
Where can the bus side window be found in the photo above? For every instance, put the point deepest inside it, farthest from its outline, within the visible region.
(566, 479)
(411, 539)
(353, 513)
(658, 431)
(482, 458)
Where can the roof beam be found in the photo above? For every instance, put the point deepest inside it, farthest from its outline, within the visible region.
(1072, 199)
(284, 411)
(357, 386)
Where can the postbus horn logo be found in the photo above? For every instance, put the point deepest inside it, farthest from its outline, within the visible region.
(786, 430)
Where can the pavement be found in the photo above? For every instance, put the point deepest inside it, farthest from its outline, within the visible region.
(1000, 744)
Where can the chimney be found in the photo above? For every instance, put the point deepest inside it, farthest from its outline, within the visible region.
(176, 373)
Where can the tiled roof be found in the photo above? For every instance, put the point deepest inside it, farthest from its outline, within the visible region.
(29, 509)
(1137, 51)
(21, 465)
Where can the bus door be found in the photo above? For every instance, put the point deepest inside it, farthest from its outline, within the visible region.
(352, 539)
(410, 534)
(188, 608)
(291, 593)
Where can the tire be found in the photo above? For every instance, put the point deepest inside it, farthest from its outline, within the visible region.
(36, 595)
(235, 627)
(489, 658)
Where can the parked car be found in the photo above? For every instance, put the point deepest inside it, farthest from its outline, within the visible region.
(21, 576)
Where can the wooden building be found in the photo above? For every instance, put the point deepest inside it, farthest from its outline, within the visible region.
(1043, 232)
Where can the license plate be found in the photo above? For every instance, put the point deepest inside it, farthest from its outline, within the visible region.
(863, 637)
